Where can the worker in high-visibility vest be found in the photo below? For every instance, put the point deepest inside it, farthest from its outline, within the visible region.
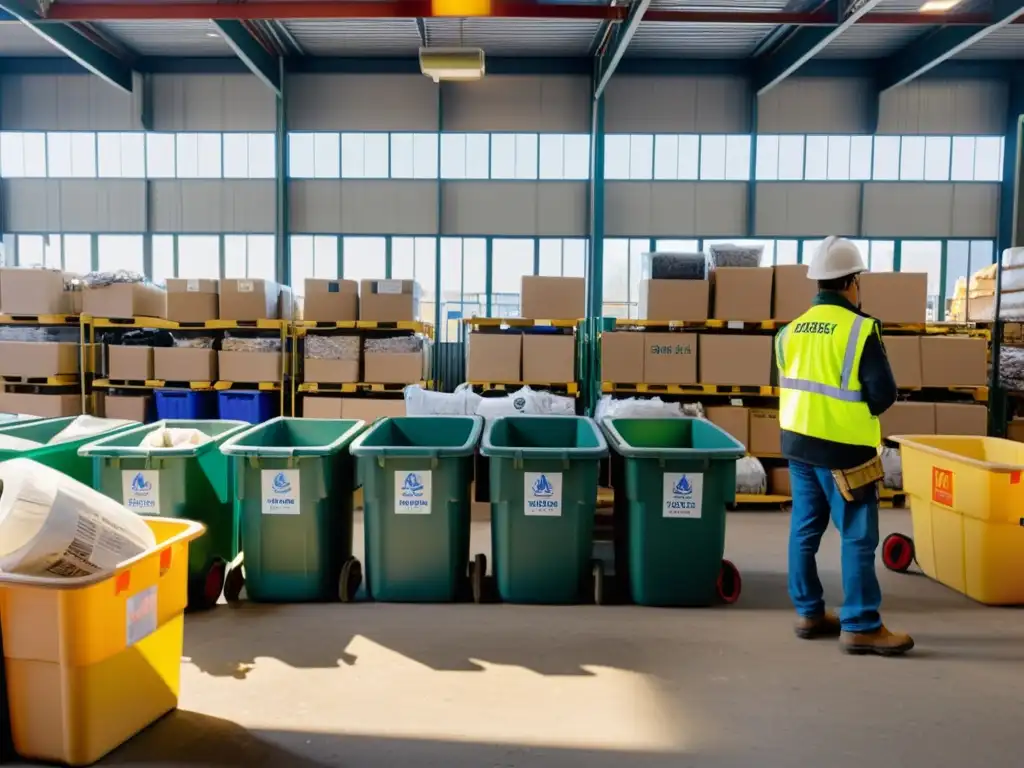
(835, 381)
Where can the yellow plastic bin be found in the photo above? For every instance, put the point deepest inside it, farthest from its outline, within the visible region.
(90, 662)
(967, 505)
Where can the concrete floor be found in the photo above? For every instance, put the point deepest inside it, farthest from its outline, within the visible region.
(500, 686)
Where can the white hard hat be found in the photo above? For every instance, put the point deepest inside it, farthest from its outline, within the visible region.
(835, 257)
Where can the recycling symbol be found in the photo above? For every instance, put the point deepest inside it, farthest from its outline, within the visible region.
(519, 403)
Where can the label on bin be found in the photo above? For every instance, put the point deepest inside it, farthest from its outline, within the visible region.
(542, 492)
(140, 616)
(140, 489)
(412, 493)
(682, 494)
(280, 491)
(942, 487)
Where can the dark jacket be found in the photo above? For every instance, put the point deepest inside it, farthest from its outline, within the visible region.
(879, 390)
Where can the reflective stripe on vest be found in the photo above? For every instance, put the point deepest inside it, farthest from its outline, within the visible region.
(843, 391)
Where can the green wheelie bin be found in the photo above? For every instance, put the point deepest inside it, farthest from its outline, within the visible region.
(62, 456)
(191, 481)
(673, 479)
(294, 482)
(544, 475)
(416, 473)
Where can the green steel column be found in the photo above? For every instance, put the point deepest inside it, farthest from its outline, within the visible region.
(752, 183)
(439, 364)
(281, 224)
(595, 254)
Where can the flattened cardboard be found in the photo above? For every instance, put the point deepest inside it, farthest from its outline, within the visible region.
(961, 419)
(549, 357)
(129, 363)
(909, 419)
(622, 356)
(125, 300)
(192, 301)
(733, 419)
(38, 358)
(792, 292)
(765, 434)
(52, 406)
(31, 291)
(670, 358)
(954, 361)
(331, 300)
(249, 299)
(894, 297)
(331, 371)
(674, 299)
(739, 360)
(184, 364)
(389, 300)
(494, 357)
(742, 293)
(249, 367)
(904, 353)
(552, 298)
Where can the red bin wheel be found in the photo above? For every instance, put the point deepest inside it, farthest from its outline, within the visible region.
(214, 583)
(730, 583)
(898, 552)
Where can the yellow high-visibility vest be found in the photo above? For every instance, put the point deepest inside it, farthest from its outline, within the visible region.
(819, 356)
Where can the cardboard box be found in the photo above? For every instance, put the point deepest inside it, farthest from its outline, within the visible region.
(184, 364)
(389, 300)
(674, 299)
(739, 359)
(331, 300)
(793, 293)
(904, 353)
(125, 300)
(331, 371)
(553, 298)
(742, 293)
(192, 301)
(368, 409)
(249, 367)
(778, 481)
(1015, 430)
(31, 291)
(954, 361)
(51, 406)
(286, 303)
(249, 299)
(549, 357)
(733, 419)
(895, 297)
(394, 367)
(494, 357)
(909, 419)
(128, 363)
(961, 419)
(322, 407)
(133, 408)
(670, 358)
(38, 358)
(622, 356)
(765, 434)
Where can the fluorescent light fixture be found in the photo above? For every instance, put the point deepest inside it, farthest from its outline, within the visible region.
(452, 64)
(939, 6)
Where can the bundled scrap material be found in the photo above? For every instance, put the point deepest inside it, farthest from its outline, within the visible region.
(751, 477)
(526, 402)
(24, 333)
(674, 266)
(1011, 368)
(730, 255)
(975, 299)
(394, 345)
(145, 337)
(892, 467)
(54, 526)
(423, 402)
(320, 347)
(194, 342)
(113, 277)
(250, 344)
(645, 408)
(1011, 301)
(174, 437)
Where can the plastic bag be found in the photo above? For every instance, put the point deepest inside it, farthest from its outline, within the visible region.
(52, 525)
(173, 437)
(892, 469)
(732, 255)
(545, 403)
(751, 477)
(84, 426)
(12, 443)
(424, 402)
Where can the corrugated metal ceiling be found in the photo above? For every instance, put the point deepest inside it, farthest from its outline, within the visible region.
(655, 39)
(356, 37)
(18, 40)
(1005, 43)
(516, 37)
(870, 41)
(168, 38)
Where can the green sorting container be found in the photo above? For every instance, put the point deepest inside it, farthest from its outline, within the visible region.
(294, 483)
(193, 482)
(416, 473)
(673, 479)
(544, 473)
(61, 456)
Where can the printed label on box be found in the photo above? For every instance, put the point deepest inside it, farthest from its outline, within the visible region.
(412, 493)
(192, 286)
(245, 286)
(280, 489)
(682, 495)
(389, 286)
(542, 492)
(140, 615)
(140, 489)
(942, 487)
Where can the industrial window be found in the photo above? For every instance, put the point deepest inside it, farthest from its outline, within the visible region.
(312, 256)
(465, 155)
(676, 157)
(463, 283)
(622, 272)
(162, 248)
(121, 155)
(363, 258)
(69, 252)
(414, 155)
(511, 258)
(562, 257)
(963, 259)
(71, 155)
(249, 256)
(199, 256)
(314, 155)
(160, 155)
(364, 155)
(22, 155)
(198, 155)
(564, 156)
(120, 252)
(677, 246)
(249, 156)
(415, 258)
(514, 156)
(924, 256)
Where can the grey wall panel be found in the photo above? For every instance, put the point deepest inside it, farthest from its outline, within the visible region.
(212, 103)
(367, 207)
(817, 105)
(930, 210)
(555, 209)
(956, 107)
(242, 206)
(65, 103)
(315, 206)
(556, 104)
(669, 209)
(362, 103)
(75, 205)
(677, 105)
(800, 209)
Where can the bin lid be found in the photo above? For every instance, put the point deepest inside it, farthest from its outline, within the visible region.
(543, 437)
(706, 440)
(293, 437)
(991, 454)
(126, 444)
(420, 437)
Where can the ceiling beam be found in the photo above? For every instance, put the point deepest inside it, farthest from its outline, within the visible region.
(64, 38)
(607, 63)
(260, 62)
(932, 49)
(803, 45)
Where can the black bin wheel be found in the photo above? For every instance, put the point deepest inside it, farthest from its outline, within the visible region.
(730, 583)
(204, 589)
(234, 582)
(477, 574)
(597, 572)
(350, 580)
(898, 552)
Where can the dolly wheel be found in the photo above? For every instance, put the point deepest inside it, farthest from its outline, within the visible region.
(597, 571)
(898, 552)
(477, 575)
(730, 583)
(213, 585)
(350, 581)
(234, 581)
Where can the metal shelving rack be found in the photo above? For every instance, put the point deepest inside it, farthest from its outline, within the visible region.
(54, 385)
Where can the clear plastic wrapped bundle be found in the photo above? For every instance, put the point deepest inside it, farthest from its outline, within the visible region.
(320, 347)
(250, 344)
(194, 342)
(113, 277)
(892, 469)
(394, 344)
(674, 266)
(645, 408)
(751, 477)
(423, 402)
(731, 255)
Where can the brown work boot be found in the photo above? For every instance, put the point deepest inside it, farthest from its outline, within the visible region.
(813, 627)
(881, 642)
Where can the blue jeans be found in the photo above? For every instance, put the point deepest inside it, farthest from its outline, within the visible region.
(815, 498)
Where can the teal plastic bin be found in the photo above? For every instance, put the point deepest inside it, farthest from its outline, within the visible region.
(673, 479)
(61, 456)
(294, 482)
(544, 475)
(193, 482)
(416, 473)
